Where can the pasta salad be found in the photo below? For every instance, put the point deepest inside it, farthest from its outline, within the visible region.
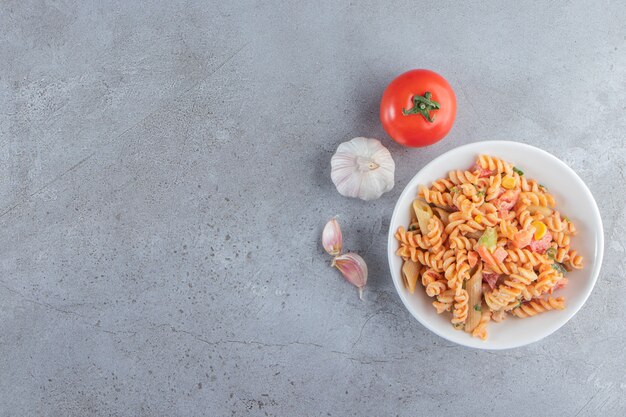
(487, 242)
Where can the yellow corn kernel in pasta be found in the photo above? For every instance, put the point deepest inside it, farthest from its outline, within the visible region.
(508, 182)
(540, 229)
(478, 218)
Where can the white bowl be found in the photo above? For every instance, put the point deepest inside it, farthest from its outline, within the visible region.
(573, 199)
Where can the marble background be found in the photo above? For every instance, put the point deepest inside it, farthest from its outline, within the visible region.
(164, 179)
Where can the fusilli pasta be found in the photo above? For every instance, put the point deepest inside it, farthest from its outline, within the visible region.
(493, 221)
(537, 306)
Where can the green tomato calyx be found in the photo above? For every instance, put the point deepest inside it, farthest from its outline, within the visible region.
(422, 105)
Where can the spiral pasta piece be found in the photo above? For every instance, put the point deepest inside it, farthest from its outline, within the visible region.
(462, 177)
(467, 189)
(480, 331)
(435, 288)
(523, 281)
(506, 268)
(526, 184)
(472, 193)
(404, 251)
(494, 164)
(429, 276)
(498, 316)
(510, 290)
(488, 219)
(470, 226)
(562, 254)
(425, 258)
(493, 191)
(464, 204)
(547, 279)
(461, 242)
(526, 256)
(497, 301)
(462, 265)
(461, 308)
(574, 260)
(454, 220)
(524, 217)
(446, 297)
(562, 239)
(539, 305)
(442, 185)
(478, 199)
(531, 292)
(537, 215)
(443, 200)
(488, 208)
(554, 222)
(449, 267)
(441, 307)
(412, 239)
(507, 229)
(569, 227)
(444, 302)
(537, 199)
(525, 274)
(435, 234)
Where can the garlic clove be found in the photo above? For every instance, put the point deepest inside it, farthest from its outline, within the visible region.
(362, 168)
(331, 237)
(354, 270)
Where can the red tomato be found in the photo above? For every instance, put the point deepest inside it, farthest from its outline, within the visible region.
(522, 238)
(542, 244)
(485, 255)
(500, 254)
(418, 108)
(489, 258)
(490, 278)
(480, 171)
(505, 214)
(507, 200)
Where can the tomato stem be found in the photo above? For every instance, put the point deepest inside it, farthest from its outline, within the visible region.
(422, 105)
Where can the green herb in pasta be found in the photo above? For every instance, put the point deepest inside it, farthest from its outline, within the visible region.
(477, 307)
(551, 252)
(559, 267)
(518, 171)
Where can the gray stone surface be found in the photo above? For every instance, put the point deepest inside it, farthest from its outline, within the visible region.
(165, 179)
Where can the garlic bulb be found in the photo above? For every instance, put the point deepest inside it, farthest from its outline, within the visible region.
(362, 168)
